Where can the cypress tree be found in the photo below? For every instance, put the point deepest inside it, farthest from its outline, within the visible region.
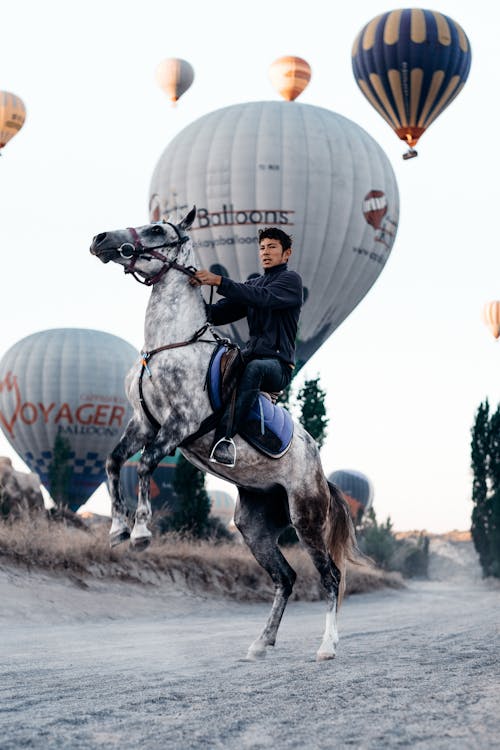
(60, 471)
(480, 464)
(192, 514)
(493, 502)
(311, 398)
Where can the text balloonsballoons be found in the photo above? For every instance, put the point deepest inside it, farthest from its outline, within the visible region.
(357, 488)
(311, 172)
(66, 384)
(410, 64)
(290, 76)
(12, 116)
(491, 316)
(174, 76)
(163, 495)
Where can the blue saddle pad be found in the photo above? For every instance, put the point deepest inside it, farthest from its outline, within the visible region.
(269, 427)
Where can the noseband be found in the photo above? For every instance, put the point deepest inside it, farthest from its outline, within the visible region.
(134, 250)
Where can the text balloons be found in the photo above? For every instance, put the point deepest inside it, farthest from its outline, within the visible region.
(66, 384)
(174, 76)
(290, 76)
(410, 64)
(357, 488)
(491, 316)
(302, 168)
(12, 116)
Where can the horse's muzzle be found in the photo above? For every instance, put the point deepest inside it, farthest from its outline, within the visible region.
(104, 254)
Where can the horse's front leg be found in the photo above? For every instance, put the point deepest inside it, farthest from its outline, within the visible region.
(132, 440)
(164, 443)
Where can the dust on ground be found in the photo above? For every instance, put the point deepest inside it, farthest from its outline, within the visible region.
(101, 663)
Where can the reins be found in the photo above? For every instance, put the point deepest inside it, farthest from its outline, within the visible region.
(138, 250)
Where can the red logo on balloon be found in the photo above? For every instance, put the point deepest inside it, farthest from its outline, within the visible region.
(10, 384)
(375, 208)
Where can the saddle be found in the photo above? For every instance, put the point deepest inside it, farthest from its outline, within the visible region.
(269, 427)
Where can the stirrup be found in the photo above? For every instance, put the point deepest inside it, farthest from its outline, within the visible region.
(212, 458)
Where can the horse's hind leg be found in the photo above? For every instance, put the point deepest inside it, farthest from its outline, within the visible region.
(308, 517)
(132, 440)
(261, 517)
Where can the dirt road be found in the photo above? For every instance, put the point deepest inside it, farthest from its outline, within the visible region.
(121, 666)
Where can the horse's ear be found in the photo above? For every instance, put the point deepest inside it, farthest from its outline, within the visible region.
(187, 221)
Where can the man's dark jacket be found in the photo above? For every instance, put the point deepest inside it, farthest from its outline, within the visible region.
(271, 303)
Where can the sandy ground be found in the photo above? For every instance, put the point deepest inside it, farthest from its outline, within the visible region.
(86, 664)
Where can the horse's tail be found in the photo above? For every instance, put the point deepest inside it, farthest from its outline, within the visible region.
(339, 534)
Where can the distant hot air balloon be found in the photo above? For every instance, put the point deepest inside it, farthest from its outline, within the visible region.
(221, 505)
(163, 496)
(12, 116)
(290, 76)
(491, 316)
(357, 488)
(410, 64)
(302, 168)
(63, 389)
(174, 76)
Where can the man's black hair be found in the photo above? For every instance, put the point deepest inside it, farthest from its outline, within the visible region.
(273, 233)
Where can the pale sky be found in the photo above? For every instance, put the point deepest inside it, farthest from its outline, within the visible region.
(406, 371)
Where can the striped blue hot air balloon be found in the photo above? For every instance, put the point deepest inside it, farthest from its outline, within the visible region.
(410, 64)
(357, 488)
(62, 399)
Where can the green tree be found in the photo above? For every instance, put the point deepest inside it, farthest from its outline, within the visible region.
(311, 398)
(377, 540)
(493, 502)
(192, 514)
(480, 450)
(60, 470)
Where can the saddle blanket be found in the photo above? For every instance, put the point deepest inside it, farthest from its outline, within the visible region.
(268, 428)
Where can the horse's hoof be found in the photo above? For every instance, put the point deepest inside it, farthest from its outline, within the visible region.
(256, 652)
(118, 537)
(140, 543)
(325, 656)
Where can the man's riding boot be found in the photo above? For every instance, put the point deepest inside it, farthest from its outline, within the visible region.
(223, 452)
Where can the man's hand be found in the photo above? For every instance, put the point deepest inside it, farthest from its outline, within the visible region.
(205, 277)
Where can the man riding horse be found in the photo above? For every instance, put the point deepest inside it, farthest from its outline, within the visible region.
(271, 303)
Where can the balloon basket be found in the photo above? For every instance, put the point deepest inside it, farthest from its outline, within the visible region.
(410, 154)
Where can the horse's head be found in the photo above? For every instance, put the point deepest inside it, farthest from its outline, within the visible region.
(150, 250)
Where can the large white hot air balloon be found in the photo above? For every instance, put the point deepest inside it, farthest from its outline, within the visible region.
(310, 171)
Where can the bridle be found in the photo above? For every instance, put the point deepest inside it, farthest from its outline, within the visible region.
(135, 250)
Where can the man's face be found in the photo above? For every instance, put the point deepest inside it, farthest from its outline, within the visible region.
(272, 254)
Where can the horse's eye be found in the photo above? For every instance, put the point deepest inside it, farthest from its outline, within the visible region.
(157, 230)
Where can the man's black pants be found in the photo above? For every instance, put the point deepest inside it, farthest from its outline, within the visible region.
(259, 375)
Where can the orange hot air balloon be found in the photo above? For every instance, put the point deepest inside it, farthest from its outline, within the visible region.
(174, 76)
(12, 116)
(491, 315)
(290, 76)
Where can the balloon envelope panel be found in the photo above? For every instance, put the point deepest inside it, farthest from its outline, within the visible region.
(313, 173)
(357, 488)
(66, 383)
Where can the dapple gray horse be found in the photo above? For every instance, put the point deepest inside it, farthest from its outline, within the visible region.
(170, 403)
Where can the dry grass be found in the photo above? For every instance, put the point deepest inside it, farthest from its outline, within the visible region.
(225, 569)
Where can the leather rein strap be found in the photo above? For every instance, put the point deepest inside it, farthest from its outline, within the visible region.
(134, 250)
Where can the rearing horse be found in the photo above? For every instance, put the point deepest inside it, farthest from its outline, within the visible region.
(170, 404)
